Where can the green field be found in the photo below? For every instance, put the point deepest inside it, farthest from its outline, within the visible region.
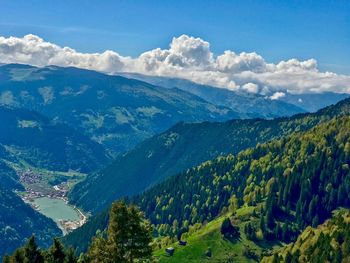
(209, 236)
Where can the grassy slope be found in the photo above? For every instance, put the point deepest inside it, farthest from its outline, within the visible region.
(210, 236)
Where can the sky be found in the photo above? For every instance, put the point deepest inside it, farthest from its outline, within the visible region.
(275, 30)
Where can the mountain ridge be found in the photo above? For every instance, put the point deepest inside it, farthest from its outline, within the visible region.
(112, 110)
(184, 146)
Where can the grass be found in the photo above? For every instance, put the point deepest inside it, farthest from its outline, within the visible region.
(209, 236)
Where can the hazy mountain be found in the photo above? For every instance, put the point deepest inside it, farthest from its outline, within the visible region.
(313, 101)
(114, 111)
(248, 105)
(182, 147)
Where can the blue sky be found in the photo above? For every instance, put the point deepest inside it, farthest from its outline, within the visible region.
(276, 30)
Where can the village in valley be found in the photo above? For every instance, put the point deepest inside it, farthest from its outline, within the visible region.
(34, 188)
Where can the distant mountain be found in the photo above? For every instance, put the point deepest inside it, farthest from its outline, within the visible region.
(182, 147)
(248, 105)
(18, 221)
(313, 101)
(28, 136)
(114, 111)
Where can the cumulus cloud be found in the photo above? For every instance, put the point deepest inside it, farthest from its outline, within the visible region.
(187, 57)
(230, 62)
(34, 50)
(250, 87)
(277, 95)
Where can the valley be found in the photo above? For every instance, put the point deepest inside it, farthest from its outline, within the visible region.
(174, 132)
(46, 192)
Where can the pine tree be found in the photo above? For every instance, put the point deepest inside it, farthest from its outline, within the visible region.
(228, 230)
(56, 253)
(288, 258)
(70, 257)
(32, 253)
(97, 251)
(128, 237)
(18, 256)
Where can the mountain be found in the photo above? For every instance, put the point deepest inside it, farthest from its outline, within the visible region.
(248, 105)
(27, 136)
(9, 179)
(287, 184)
(304, 170)
(114, 111)
(18, 221)
(312, 102)
(182, 147)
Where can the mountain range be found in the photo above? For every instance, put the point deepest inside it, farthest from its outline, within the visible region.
(114, 111)
(183, 146)
(276, 181)
(189, 155)
(248, 105)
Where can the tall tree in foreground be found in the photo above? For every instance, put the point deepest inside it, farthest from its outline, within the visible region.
(32, 253)
(56, 253)
(128, 237)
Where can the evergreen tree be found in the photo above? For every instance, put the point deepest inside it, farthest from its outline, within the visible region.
(228, 230)
(70, 257)
(97, 251)
(18, 256)
(128, 237)
(32, 253)
(56, 253)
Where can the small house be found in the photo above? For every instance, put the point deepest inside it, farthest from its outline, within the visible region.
(170, 251)
(182, 243)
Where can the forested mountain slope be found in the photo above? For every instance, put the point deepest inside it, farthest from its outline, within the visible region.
(114, 111)
(19, 221)
(299, 180)
(329, 242)
(302, 178)
(28, 136)
(184, 146)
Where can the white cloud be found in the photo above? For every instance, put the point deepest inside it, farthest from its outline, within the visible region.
(277, 95)
(34, 50)
(250, 87)
(229, 62)
(187, 57)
